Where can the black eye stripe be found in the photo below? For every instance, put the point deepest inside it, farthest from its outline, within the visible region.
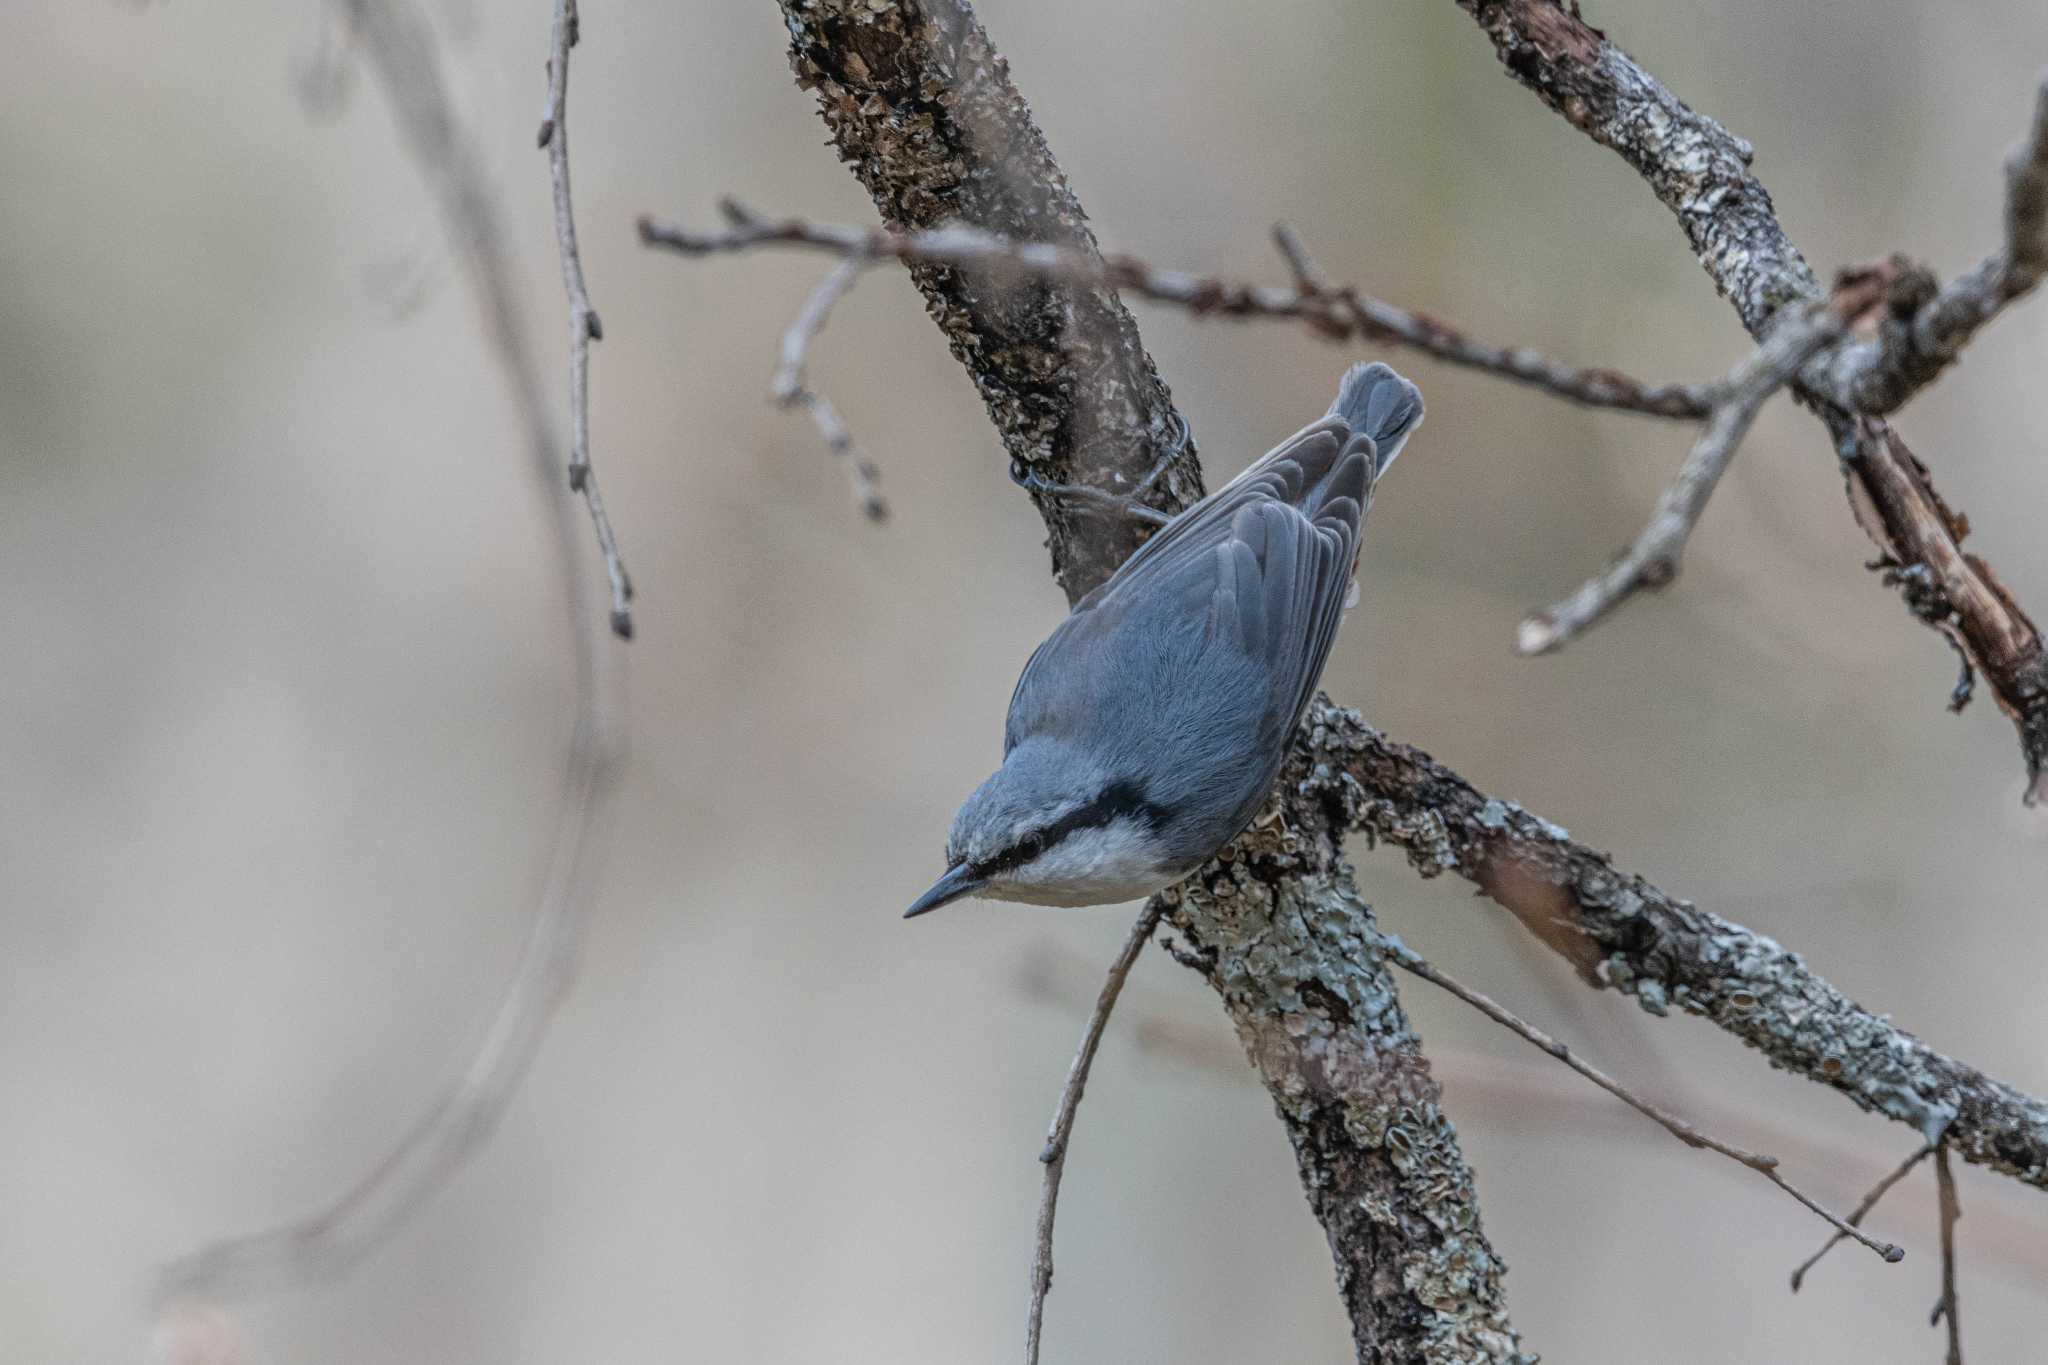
(1119, 800)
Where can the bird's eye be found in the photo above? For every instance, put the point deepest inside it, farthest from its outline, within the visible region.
(1032, 845)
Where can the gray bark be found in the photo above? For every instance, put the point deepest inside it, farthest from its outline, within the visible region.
(921, 106)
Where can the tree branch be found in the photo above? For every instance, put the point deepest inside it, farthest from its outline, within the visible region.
(1700, 171)
(401, 49)
(921, 106)
(1861, 1211)
(1651, 561)
(1879, 375)
(584, 326)
(1950, 1210)
(1623, 933)
(1054, 1154)
(1767, 1166)
(1332, 312)
(788, 389)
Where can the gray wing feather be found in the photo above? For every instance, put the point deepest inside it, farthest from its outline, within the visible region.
(1261, 568)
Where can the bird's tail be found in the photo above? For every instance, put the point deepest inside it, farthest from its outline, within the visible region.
(1374, 401)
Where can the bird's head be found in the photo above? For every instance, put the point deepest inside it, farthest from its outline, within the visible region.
(1052, 828)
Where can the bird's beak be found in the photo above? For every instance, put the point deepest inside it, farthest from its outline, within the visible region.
(959, 881)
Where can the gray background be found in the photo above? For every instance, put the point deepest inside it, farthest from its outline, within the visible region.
(287, 693)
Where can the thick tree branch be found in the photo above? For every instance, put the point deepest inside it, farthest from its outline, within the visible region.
(1623, 933)
(1700, 171)
(922, 107)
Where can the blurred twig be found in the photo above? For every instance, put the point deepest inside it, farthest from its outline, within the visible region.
(401, 49)
(584, 326)
(1055, 1153)
(1766, 1166)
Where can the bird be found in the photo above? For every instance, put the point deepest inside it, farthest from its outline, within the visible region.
(1146, 730)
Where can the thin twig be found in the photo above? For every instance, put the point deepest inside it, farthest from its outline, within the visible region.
(584, 326)
(401, 49)
(1333, 313)
(1912, 349)
(1862, 1210)
(1055, 1153)
(788, 389)
(1767, 1166)
(1951, 1210)
(1651, 560)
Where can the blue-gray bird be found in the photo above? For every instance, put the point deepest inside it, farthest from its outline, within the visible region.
(1147, 729)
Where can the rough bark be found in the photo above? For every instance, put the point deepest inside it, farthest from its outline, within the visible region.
(1700, 171)
(1625, 934)
(921, 106)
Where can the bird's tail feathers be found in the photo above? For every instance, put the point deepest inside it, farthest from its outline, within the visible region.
(1374, 401)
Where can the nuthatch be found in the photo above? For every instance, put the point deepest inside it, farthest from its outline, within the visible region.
(1147, 729)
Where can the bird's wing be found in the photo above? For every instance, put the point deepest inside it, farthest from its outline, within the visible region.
(1261, 567)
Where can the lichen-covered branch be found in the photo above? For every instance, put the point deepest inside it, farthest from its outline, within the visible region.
(1700, 171)
(921, 106)
(1623, 933)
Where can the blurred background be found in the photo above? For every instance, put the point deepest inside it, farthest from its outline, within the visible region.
(288, 695)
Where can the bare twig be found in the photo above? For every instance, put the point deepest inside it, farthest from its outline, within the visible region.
(1651, 560)
(1878, 375)
(1951, 1210)
(463, 1116)
(788, 389)
(584, 326)
(1055, 1153)
(1336, 313)
(1862, 1210)
(1766, 1166)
